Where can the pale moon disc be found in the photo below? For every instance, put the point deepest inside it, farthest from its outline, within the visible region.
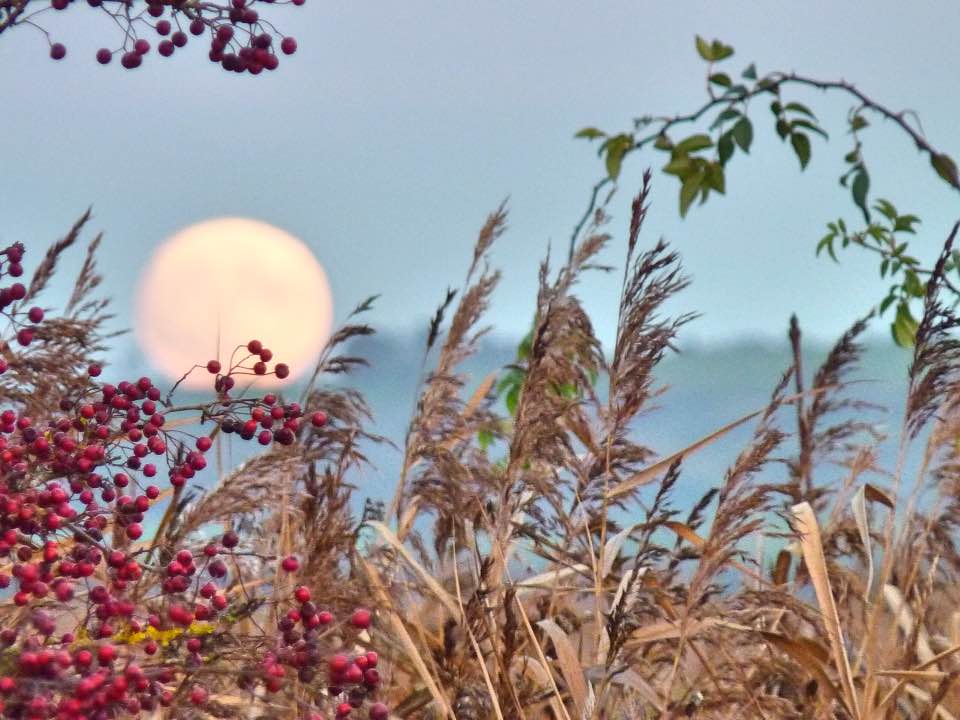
(220, 283)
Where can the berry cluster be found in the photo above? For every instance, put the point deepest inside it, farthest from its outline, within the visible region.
(240, 40)
(95, 624)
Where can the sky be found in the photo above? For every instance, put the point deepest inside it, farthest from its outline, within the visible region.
(385, 141)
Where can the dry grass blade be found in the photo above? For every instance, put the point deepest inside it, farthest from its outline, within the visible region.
(809, 532)
(428, 580)
(569, 663)
(410, 647)
(811, 657)
(858, 504)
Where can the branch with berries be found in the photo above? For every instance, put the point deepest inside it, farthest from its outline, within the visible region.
(240, 39)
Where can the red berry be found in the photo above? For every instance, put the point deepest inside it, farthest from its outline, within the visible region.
(290, 564)
(282, 370)
(266, 354)
(198, 695)
(302, 594)
(260, 368)
(94, 370)
(379, 711)
(58, 51)
(288, 45)
(361, 618)
(213, 367)
(25, 336)
(165, 48)
(254, 347)
(179, 38)
(130, 60)
(319, 418)
(163, 27)
(35, 314)
(106, 654)
(104, 56)
(141, 47)
(196, 27)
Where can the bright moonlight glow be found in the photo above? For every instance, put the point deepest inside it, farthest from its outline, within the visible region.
(221, 283)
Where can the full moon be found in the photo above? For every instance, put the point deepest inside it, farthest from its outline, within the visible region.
(223, 282)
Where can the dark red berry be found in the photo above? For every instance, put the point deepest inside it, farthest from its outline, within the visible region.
(288, 45)
(58, 51)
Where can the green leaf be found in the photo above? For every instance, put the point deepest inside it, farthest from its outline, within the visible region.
(750, 73)
(884, 266)
(681, 167)
(725, 147)
(513, 377)
(484, 439)
(728, 114)
(776, 108)
(617, 147)
(904, 223)
(904, 327)
(798, 108)
(852, 156)
(783, 129)
(810, 126)
(590, 133)
(720, 51)
(801, 146)
(662, 143)
(887, 301)
(827, 242)
(913, 286)
(946, 168)
(689, 190)
(714, 178)
(721, 79)
(886, 208)
(513, 397)
(859, 190)
(703, 47)
(858, 122)
(694, 143)
(743, 133)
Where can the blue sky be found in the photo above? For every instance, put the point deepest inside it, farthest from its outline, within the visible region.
(392, 132)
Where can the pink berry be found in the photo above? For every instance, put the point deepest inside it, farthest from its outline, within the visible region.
(35, 314)
(288, 45)
(379, 711)
(141, 47)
